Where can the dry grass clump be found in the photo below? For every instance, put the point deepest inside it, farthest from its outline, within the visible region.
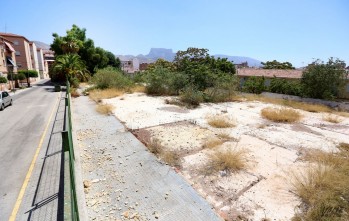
(226, 137)
(323, 187)
(315, 108)
(169, 157)
(138, 89)
(220, 121)
(331, 118)
(97, 95)
(74, 92)
(212, 142)
(228, 160)
(105, 109)
(284, 115)
(342, 114)
(343, 147)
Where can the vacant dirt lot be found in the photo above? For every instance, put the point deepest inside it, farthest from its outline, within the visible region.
(260, 191)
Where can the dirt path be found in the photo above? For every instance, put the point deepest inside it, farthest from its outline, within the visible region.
(123, 181)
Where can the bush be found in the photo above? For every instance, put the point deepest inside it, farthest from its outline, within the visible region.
(254, 85)
(224, 86)
(191, 96)
(3, 80)
(324, 81)
(229, 160)
(283, 86)
(284, 115)
(111, 78)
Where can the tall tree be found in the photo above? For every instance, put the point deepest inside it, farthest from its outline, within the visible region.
(76, 42)
(70, 67)
(324, 80)
(277, 65)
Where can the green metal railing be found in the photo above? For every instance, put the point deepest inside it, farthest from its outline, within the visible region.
(70, 200)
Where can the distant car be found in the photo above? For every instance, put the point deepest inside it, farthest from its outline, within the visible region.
(5, 100)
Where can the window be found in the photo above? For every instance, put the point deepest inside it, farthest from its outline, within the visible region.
(15, 42)
(18, 53)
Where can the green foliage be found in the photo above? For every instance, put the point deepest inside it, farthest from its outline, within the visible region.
(224, 86)
(29, 73)
(191, 96)
(277, 65)
(3, 80)
(161, 63)
(20, 76)
(283, 86)
(201, 69)
(75, 42)
(254, 85)
(324, 80)
(111, 78)
(161, 81)
(70, 67)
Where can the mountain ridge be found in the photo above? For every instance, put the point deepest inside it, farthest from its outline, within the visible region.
(169, 55)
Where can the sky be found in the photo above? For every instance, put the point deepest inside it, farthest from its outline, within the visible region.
(298, 31)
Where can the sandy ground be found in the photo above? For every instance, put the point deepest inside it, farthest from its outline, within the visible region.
(262, 190)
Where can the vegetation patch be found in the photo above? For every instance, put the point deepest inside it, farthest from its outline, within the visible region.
(323, 187)
(220, 121)
(98, 95)
(228, 160)
(282, 115)
(331, 118)
(169, 157)
(106, 109)
(212, 142)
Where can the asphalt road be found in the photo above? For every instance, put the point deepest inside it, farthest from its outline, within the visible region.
(21, 127)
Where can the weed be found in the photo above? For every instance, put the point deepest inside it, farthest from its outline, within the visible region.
(344, 147)
(169, 157)
(97, 95)
(285, 115)
(155, 146)
(74, 92)
(315, 108)
(226, 137)
(323, 187)
(220, 121)
(212, 142)
(138, 88)
(106, 109)
(229, 160)
(331, 118)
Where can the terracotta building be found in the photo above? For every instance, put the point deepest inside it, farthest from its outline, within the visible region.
(25, 60)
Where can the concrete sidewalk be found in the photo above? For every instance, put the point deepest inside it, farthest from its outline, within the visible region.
(43, 198)
(123, 180)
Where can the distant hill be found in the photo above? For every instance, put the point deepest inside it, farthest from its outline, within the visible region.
(169, 55)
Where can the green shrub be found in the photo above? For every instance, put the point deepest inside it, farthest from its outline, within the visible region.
(191, 96)
(224, 86)
(254, 85)
(3, 80)
(162, 81)
(283, 86)
(111, 78)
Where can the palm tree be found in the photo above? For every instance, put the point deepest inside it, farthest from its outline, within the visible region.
(70, 66)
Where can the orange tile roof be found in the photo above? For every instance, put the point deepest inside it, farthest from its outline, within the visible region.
(270, 73)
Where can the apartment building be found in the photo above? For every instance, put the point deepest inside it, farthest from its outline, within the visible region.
(7, 57)
(23, 47)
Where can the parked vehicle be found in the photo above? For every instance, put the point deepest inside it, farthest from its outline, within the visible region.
(5, 100)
